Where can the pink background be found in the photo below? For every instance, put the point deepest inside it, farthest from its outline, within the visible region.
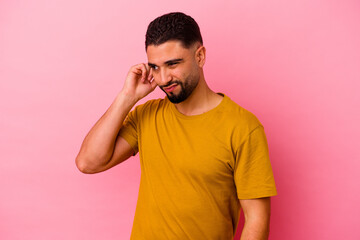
(295, 64)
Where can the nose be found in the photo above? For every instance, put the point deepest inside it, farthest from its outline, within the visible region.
(163, 77)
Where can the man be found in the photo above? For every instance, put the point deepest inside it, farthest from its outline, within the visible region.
(202, 156)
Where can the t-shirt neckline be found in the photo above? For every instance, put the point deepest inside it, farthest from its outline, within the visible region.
(202, 115)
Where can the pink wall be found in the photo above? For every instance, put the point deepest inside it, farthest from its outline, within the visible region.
(295, 64)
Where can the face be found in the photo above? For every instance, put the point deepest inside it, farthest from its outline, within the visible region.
(174, 68)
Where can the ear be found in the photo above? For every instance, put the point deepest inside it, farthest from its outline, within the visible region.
(200, 56)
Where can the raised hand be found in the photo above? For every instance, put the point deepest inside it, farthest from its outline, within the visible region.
(139, 82)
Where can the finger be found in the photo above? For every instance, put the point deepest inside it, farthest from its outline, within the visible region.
(144, 72)
(139, 69)
(136, 69)
(153, 84)
(147, 67)
(150, 76)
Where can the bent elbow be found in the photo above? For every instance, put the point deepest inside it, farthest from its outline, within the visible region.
(84, 166)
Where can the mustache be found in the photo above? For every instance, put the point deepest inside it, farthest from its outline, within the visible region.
(170, 83)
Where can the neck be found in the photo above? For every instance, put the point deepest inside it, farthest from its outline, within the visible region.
(201, 100)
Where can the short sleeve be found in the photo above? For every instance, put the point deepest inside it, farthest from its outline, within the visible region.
(129, 130)
(253, 174)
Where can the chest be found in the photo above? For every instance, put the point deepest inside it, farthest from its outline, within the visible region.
(198, 149)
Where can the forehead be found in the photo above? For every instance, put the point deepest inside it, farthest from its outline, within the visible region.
(158, 54)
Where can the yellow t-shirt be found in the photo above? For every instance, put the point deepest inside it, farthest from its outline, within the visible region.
(194, 169)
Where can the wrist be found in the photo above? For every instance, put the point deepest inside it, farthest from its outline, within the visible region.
(126, 99)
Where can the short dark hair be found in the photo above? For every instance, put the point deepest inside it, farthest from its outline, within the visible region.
(173, 26)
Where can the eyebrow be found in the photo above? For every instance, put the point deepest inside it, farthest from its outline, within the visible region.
(167, 62)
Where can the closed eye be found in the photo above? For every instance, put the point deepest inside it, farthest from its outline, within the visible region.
(172, 63)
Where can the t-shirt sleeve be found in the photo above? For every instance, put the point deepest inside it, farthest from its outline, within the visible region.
(253, 174)
(129, 130)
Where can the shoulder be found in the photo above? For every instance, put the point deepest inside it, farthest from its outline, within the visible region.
(237, 122)
(238, 116)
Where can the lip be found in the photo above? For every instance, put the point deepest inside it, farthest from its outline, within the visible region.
(170, 88)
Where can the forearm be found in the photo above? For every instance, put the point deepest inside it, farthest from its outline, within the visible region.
(255, 230)
(98, 145)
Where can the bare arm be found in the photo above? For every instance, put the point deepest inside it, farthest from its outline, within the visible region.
(102, 148)
(257, 219)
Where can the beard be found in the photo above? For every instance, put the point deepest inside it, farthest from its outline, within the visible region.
(186, 88)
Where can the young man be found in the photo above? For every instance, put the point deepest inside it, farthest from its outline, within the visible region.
(202, 156)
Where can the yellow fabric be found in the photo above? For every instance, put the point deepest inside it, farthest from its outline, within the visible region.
(194, 169)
